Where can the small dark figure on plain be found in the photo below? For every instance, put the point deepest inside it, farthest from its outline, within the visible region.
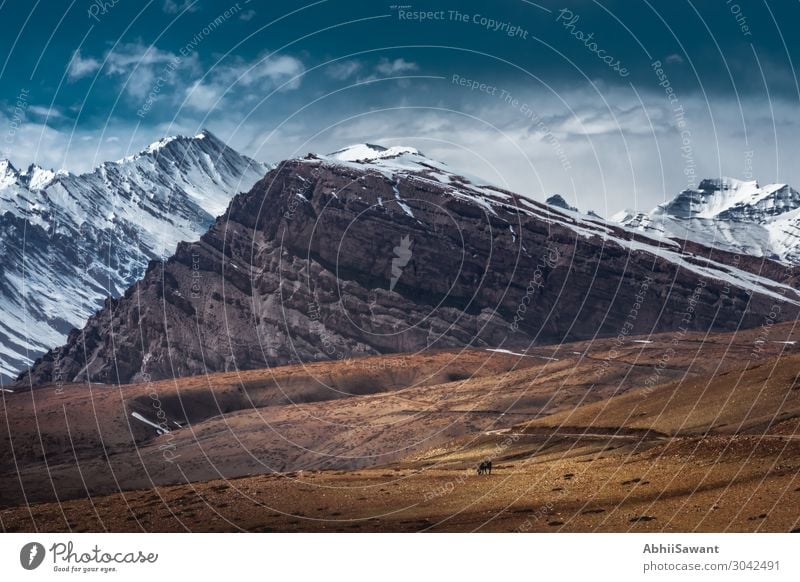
(485, 468)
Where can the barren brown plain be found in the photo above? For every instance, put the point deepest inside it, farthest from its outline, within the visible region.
(692, 432)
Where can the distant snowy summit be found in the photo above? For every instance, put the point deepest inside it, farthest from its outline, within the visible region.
(734, 215)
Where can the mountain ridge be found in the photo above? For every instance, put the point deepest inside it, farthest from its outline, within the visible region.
(300, 268)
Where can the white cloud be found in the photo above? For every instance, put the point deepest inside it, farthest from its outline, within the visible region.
(149, 74)
(140, 66)
(129, 55)
(173, 7)
(203, 97)
(45, 112)
(629, 120)
(80, 67)
(247, 15)
(384, 68)
(343, 70)
(275, 70)
(247, 79)
(395, 67)
(136, 64)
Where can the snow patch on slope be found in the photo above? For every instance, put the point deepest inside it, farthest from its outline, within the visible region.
(367, 151)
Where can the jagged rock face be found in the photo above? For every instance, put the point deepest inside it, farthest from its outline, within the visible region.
(325, 259)
(558, 201)
(69, 241)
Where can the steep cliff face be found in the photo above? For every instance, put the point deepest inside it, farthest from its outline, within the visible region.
(375, 251)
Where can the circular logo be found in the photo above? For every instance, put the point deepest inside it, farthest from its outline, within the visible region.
(31, 555)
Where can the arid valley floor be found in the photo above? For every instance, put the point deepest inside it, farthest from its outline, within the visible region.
(699, 432)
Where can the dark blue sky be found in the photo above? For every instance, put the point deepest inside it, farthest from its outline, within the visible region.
(566, 95)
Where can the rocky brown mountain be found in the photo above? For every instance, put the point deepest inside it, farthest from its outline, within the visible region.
(374, 250)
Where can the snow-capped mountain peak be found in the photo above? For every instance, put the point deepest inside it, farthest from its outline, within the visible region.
(624, 215)
(89, 236)
(171, 143)
(8, 173)
(34, 178)
(397, 162)
(735, 215)
(714, 197)
(364, 152)
(37, 178)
